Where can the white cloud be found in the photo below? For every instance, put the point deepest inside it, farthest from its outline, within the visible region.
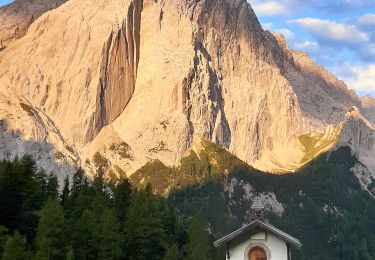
(292, 39)
(267, 26)
(307, 45)
(269, 8)
(288, 34)
(327, 31)
(367, 19)
(359, 78)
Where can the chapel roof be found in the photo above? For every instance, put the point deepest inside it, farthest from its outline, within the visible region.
(262, 225)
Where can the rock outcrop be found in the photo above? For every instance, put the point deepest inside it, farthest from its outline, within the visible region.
(358, 134)
(368, 104)
(16, 17)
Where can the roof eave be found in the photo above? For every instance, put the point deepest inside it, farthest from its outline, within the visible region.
(289, 239)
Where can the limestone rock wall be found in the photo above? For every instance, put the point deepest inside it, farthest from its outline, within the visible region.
(358, 134)
(15, 18)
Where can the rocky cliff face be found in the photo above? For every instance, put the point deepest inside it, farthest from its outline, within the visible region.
(16, 17)
(368, 104)
(323, 98)
(130, 81)
(359, 135)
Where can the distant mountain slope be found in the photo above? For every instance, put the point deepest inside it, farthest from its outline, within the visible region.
(16, 17)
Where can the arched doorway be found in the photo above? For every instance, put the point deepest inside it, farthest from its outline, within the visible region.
(257, 253)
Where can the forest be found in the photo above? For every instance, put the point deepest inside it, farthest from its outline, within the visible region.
(324, 207)
(91, 219)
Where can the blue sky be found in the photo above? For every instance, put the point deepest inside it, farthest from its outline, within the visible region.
(339, 34)
(4, 2)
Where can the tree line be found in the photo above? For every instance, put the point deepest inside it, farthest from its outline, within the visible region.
(91, 219)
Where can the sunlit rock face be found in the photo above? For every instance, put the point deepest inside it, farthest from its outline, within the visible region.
(16, 17)
(141, 80)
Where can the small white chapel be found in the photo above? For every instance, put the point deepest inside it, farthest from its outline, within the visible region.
(258, 240)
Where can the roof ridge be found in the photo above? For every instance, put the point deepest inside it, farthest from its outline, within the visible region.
(257, 223)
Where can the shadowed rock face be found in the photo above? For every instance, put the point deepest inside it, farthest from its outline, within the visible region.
(118, 71)
(368, 104)
(358, 134)
(16, 17)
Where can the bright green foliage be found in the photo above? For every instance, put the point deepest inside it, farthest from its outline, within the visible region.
(51, 239)
(200, 243)
(15, 248)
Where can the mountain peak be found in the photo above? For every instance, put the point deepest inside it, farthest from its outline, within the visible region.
(134, 81)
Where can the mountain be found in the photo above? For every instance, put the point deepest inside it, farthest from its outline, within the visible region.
(196, 99)
(358, 134)
(122, 83)
(16, 17)
(368, 104)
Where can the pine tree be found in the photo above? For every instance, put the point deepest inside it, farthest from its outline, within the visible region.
(52, 186)
(145, 236)
(79, 182)
(65, 192)
(200, 243)
(15, 248)
(83, 236)
(122, 195)
(108, 238)
(51, 242)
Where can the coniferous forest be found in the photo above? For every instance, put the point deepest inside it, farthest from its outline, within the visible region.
(324, 207)
(90, 219)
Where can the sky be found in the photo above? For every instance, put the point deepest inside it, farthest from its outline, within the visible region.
(338, 34)
(4, 2)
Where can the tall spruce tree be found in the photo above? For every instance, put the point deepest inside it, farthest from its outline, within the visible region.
(51, 239)
(107, 236)
(83, 236)
(64, 196)
(52, 186)
(15, 248)
(122, 195)
(145, 233)
(200, 245)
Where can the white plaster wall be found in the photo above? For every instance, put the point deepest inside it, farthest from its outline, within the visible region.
(276, 245)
